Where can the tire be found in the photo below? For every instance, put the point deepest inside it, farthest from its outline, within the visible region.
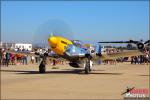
(87, 67)
(91, 65)
(42, 68)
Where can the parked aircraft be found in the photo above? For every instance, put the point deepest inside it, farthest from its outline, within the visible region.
(81, 56)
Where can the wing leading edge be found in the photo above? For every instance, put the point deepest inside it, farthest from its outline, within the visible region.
(128, 53)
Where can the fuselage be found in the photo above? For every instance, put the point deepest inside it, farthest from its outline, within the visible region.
(67, 50)
(59, 44)
(71, 51)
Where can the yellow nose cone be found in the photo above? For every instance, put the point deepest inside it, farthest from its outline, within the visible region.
(52, 41)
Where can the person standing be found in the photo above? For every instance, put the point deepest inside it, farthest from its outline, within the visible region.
(1, 55)
(7, 58)
(24, 58)
(32, 59)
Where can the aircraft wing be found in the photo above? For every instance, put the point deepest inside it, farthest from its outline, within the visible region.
(21, 53)
(32, 54)
(128, 53)
(130, 41)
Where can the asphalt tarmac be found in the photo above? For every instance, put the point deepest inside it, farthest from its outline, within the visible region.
(104, 82)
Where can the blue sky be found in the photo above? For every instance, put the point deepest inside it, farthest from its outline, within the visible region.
(86, 20)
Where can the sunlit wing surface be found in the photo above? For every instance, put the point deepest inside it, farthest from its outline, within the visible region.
(121, 54)
(22, 52)
(130, 41)
(32, 54)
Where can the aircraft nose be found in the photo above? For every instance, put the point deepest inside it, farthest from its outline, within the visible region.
(52, 41)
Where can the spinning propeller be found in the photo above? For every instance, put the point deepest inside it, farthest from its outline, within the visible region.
(52, 28)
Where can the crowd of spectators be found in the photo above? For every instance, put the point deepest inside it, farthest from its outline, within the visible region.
(7, 58)
(141, 59)
(14, 58)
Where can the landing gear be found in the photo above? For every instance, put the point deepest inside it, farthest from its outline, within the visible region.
(87, 66)
(87, 69)
(42, 67)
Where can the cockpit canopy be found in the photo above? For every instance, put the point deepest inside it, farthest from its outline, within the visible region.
(77, 43)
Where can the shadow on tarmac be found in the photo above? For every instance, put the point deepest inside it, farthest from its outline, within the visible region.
(144, 75)
(74, 71)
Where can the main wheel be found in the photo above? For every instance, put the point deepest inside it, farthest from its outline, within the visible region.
(87, 66)
(87, 70)
(91, 65)
(42, 67)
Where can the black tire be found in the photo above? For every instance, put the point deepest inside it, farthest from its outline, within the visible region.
(87, 69)
(42, 67)
(87, 66)
(90, 69)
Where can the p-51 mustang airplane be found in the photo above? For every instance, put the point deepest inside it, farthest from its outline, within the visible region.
(81, 57)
